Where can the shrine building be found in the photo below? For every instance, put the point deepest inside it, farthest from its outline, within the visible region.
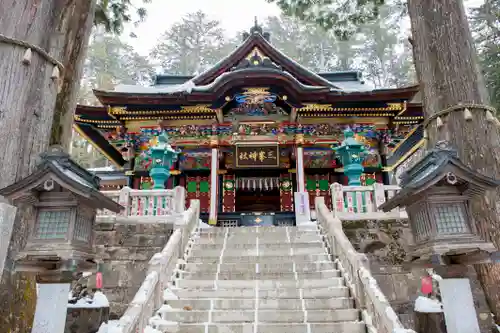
(252, 130)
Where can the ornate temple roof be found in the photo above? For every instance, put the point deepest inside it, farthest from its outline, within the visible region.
(255, 64)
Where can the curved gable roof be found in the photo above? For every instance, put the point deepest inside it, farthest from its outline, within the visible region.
(256, 40)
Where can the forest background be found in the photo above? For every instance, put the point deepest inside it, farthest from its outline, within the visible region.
(195, 42)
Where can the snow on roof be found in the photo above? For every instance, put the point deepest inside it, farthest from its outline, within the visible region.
(327, 83)
(353, 86)
(101, 169)
(169, 89)
(189, 86)
(72, 175)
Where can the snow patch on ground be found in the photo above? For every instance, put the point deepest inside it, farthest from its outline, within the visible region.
(427, 305)
(98, 301)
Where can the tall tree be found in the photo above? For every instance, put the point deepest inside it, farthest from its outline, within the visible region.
(486, 25)
(42, 47)
(310, 45)
(448, 69)
(191, 45)
(109, 62)
(386, 58)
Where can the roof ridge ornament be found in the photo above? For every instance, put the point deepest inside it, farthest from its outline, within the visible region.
(257, 30)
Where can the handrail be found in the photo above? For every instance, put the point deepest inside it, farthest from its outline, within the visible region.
(376, 310)
(362, 202)
(147, 203)
(161, 268)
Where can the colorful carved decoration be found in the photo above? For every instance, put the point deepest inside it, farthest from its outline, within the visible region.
(318, 157)
(146, 183)
(258, 129)
(198, 188)
(286, 192)
(198, 159)
(369, 179)
(285, 158)
(228, 193)
(318, 186)
(256, 102)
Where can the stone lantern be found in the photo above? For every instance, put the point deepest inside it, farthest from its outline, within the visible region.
(64, 198)
(163, 156)
(436, 192)
(351, 155)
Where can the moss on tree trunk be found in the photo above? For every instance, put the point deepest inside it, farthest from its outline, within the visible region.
(448, 69)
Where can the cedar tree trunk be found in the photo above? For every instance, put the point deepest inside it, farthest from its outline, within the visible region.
(448, 70)
(28, 98)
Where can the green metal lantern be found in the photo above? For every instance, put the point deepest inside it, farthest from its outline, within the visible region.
(351, 153)
(163, 157)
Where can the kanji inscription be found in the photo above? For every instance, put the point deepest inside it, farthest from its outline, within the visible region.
(252, 156)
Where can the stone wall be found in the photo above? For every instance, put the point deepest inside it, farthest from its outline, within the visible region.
(85, 320)
(126, 250)
(386, 244)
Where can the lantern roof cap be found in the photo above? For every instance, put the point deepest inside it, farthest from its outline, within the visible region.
(440, 162)
(56, 165)
(349, 141)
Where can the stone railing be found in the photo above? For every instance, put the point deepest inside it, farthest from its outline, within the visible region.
(376, 310)
(147, 203)
(161, 268)
(362, 202)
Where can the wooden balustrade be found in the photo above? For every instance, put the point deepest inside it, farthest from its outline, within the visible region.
(362, 202)
(147, 203)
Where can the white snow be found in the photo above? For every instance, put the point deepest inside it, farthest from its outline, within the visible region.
(427, 305)
(106, 168)
(168, 295)
(164, 309)
(170, 89)
(203, 225)
(98, 301)
(149, 329)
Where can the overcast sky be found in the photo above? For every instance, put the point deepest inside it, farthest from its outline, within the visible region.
(234, 15)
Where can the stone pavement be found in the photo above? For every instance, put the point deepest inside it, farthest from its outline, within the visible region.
(258, 280)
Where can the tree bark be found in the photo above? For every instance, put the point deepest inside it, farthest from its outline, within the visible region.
(28, 97)
(77, 25)
(448, 70)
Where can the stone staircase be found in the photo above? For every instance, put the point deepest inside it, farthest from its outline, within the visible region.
(257, 280)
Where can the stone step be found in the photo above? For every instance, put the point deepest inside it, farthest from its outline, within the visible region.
(257, 230)
(265, 259)
(263, 239)
(260, 267)
(339, 327)
(261, 284)
(277, 293)
(197, 252)
(253, 237)
(266, 246)
(263, 316)
(270, 275)
(263, 304)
